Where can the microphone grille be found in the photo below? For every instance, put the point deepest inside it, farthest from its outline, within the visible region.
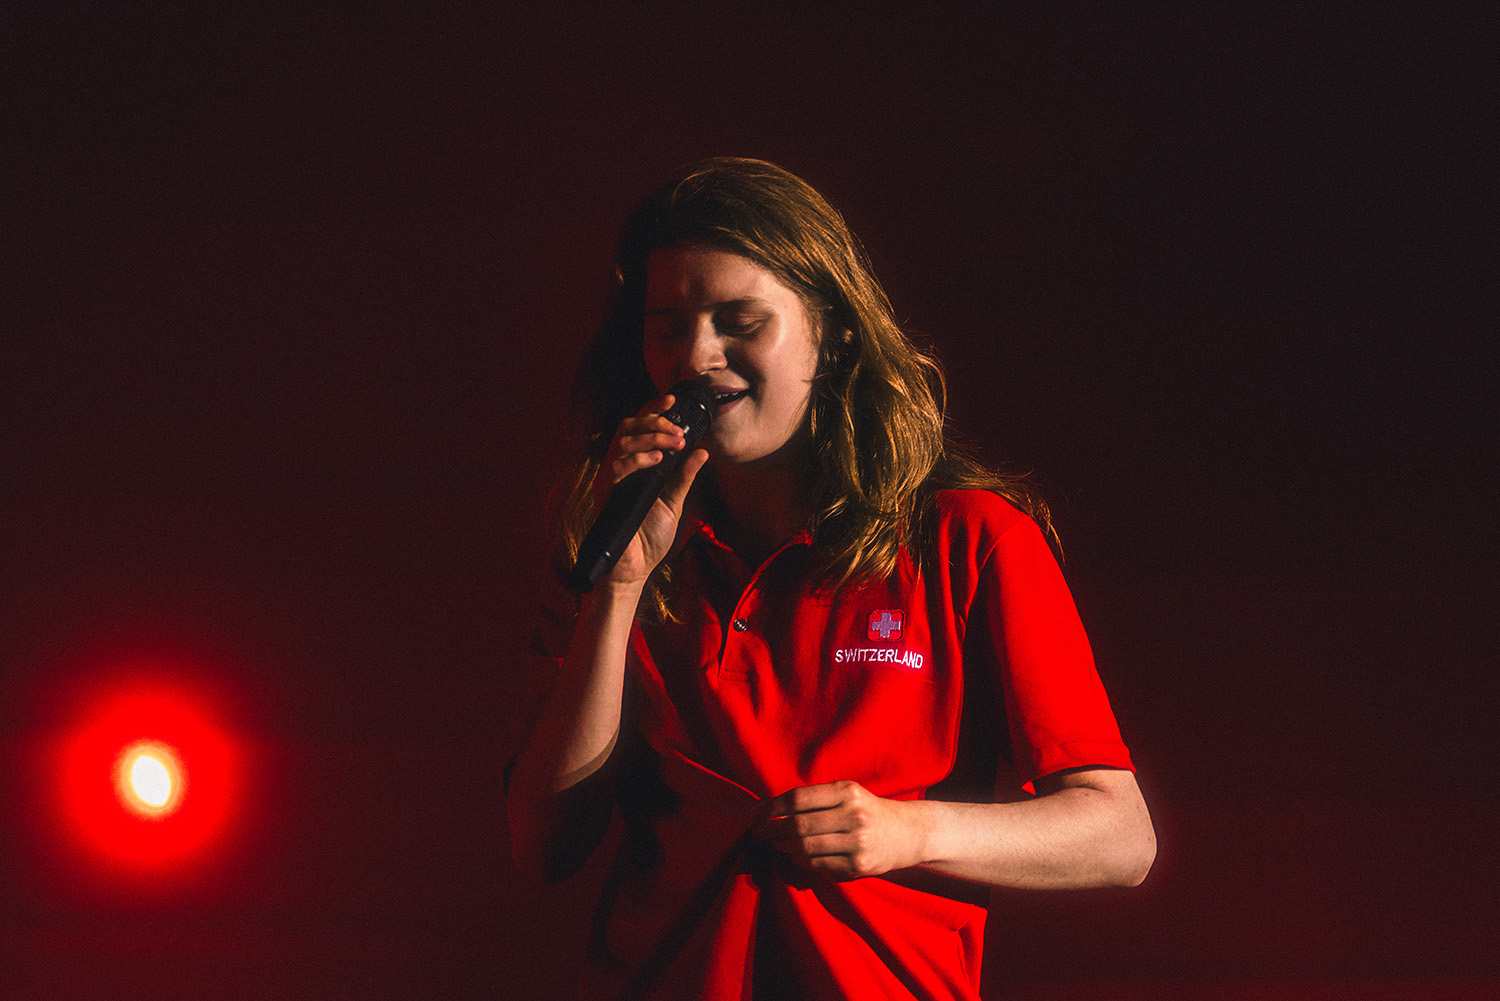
(693, 410)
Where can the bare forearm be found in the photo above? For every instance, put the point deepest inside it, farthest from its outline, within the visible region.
(1090, 828)
(558, 798)
(1074, 837)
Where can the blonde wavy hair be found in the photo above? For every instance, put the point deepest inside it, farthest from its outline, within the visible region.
(877, 415)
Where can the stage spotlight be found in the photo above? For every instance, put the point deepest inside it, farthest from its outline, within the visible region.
(149, 779)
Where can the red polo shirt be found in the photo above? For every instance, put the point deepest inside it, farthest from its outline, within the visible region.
(766, 684)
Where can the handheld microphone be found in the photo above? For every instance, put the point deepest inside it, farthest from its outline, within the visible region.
(632, 497)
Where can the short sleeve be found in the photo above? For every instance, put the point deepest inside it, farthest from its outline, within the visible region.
(1055, 705)
(556, 617)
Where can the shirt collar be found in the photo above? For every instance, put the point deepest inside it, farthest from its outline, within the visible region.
(697, 526)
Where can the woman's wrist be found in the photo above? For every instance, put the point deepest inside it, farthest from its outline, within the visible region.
(613, 596)
(922, 823)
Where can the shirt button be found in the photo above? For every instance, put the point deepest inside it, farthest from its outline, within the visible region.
(740, 625)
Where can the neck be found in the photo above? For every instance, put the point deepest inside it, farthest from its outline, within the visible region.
(765, 507)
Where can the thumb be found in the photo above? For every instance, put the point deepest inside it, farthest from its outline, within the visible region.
(676, 491)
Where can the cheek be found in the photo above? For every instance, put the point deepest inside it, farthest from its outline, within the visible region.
(659, 366)
(802, 373)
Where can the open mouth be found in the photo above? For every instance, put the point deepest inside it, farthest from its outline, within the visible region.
(721, 399)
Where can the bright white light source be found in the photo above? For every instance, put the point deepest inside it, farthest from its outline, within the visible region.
(151, 781)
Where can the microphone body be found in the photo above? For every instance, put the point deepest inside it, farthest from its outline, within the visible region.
(632, 497)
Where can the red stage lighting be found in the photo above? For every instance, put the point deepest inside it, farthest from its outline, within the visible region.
(148, 781)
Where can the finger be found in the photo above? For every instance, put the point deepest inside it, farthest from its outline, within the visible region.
(647, 441)
(646, 424)
(639, 442)
(835, 856)
(799, 827)
(837, 867)
(650, 441)
(648, 419)
(653, 410)
(804, 799)
(823, 846)
(645, 431)
(650, 416)
(631, 463)
(827, 846)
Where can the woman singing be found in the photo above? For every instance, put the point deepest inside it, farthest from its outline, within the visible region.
(835, 686)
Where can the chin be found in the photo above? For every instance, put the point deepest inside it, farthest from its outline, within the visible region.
(721, 452)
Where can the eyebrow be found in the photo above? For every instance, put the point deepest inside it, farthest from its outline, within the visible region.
(712, 307)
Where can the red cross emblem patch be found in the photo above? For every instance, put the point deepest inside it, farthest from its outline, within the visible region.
(885, 624)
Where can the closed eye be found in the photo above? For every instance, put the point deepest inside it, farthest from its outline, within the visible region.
(738, 324)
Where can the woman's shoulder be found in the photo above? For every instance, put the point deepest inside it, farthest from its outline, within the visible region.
(975, 532)
(978, 508)
(982, 523)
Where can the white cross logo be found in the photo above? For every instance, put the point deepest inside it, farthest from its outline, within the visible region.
(885, 625)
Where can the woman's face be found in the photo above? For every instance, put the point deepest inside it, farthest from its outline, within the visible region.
(724, 320)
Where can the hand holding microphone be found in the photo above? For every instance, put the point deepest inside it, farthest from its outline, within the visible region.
(633, 497)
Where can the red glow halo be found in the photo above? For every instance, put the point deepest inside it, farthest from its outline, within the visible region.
(112, 827)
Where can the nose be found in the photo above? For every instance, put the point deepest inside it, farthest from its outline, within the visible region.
(705, 350)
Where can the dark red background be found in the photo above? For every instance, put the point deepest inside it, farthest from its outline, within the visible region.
(290, 306)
